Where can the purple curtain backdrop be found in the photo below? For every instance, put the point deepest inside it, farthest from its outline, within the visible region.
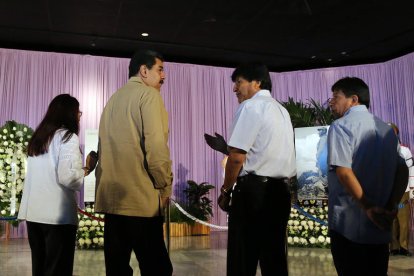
(198, 99)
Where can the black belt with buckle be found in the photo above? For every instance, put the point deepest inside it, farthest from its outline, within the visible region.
(263, 179)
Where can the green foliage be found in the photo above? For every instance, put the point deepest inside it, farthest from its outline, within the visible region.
(176, 215)
(308, 115)
(198, 204)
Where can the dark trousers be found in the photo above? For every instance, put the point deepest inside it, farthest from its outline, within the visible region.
(356, 259)
(53, 248)
(143, 235)
(257, 227)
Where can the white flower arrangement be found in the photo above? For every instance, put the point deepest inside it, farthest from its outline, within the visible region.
(306, 232)
(14, 139)
(90, 229)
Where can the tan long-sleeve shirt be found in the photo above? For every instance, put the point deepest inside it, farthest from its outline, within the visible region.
(134, 168)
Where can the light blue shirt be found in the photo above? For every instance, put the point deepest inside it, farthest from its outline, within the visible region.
(262, 127)
(363, 142)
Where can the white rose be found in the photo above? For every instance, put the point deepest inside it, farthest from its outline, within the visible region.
(88, 241)
(25, 129)
(81, 223)
(101, 223)
(328, 240)
(295, 239)
(323, 227)
(296, 222)
(85, 229)
(310, 223)
(290, 222)
(26, 143)
(305, 209)
(81, 241)
(312, 240)
(88, 210)
(300, 228)
(88, 222)
(1, 193)
(5, 143)
(95, 240)
(321, 216)
(14, 128)
(92, 228)
(102, 215)
(4, 130)
(101, 240)
(321, 238)
(311, 227)
(302, 240)
(290, 240)
(303, 223)
(3, 212)
(95, 222)
(311, 211)
(11, 135)
(305, 227)
(317, 228)
(301, 216)
(326, 208)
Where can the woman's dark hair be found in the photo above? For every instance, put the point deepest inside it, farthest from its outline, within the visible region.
(353, 86)
(254, 71)
(143, 57)
(62, 113)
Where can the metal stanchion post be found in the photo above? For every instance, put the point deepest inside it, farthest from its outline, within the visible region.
(167, 227)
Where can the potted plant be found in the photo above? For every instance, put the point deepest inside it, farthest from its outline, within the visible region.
(199, 206)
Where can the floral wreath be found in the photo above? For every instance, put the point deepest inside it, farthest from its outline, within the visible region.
(14, 138)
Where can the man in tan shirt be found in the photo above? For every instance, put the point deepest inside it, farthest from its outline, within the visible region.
(134, 171)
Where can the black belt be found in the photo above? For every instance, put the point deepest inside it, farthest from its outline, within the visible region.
(264, 179)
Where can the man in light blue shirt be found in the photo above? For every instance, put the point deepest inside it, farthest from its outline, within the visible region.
(362, 159)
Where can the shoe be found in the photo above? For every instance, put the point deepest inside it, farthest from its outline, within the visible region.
(394, 252)
(405, 252)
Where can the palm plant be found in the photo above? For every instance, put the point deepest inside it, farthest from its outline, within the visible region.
(198, 204)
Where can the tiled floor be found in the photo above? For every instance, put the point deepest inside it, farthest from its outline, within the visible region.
(198, 255)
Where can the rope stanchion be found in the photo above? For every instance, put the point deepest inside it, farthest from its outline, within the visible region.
(90, 215)
(196, 219)
(309, 216)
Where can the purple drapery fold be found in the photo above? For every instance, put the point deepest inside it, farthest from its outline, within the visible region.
(198, 99)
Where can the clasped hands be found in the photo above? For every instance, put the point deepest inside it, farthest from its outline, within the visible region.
(381, 217)
(91, 161)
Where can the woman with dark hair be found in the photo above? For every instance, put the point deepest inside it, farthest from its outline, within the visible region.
(54, 174)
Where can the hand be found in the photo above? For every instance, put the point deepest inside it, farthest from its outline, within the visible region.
(381, 217)
(217, 143)
(91, 161)
(165, 201)
(224, 202)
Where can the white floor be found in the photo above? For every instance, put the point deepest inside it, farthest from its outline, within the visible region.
(197, 255)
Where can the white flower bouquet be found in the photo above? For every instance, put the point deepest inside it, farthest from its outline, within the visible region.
(90, 229)
(14, 138)
(306, 227)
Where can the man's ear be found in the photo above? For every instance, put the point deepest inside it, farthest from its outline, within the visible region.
(355, 99)
(143, 71)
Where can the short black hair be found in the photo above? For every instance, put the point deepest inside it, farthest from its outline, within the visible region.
(353, 86)
(253, 71)
(143, 57)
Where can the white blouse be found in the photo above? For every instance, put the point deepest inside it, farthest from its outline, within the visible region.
(52, 179)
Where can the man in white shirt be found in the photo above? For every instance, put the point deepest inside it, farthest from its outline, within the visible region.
(262, 161)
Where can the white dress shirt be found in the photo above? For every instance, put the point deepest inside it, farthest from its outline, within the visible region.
(52, 179)
(263, 129)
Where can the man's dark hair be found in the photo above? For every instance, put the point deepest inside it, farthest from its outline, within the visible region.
(143, 57)
(253, 71)
(353, 86)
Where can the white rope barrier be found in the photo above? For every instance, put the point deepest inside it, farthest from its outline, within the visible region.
(196, 219)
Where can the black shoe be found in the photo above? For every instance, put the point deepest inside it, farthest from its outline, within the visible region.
(394, 252)
(405, 252)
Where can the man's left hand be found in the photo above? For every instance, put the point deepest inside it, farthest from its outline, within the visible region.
(381, 217)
